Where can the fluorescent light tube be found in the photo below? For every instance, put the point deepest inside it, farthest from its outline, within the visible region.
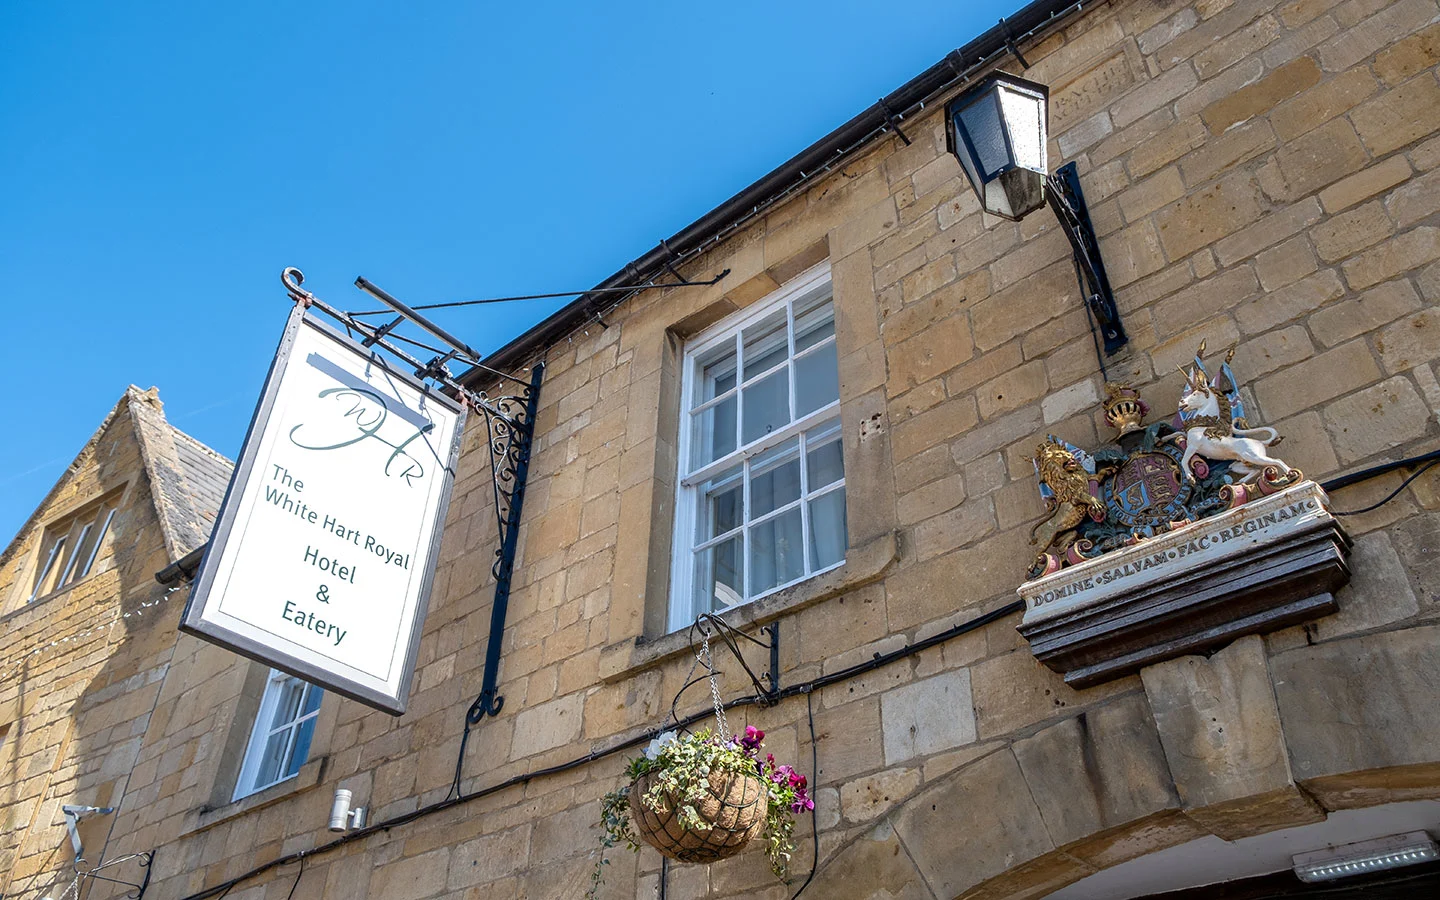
(1365, 857)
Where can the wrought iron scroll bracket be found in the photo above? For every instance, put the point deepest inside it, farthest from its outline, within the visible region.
(729, 635)
(510, 439)
(1062, 190)
(137, 889)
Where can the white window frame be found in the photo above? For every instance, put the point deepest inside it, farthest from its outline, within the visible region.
(261, 732)
(66, 540)
(683, 544)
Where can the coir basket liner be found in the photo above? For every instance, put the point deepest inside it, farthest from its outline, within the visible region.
(734, 810)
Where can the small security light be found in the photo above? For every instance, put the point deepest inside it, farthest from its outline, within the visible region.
(998, 131)
(1365, 857)
(73, 814)
(342, 817)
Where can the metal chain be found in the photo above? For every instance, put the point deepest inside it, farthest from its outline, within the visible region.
(714, 687)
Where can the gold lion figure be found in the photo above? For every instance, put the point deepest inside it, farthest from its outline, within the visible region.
(1065, 476)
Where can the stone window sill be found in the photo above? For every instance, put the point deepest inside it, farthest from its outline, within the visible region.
(197, 820)
(41, 602)
(863, 565)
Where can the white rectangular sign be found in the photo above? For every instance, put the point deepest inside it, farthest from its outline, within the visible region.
(325, 546)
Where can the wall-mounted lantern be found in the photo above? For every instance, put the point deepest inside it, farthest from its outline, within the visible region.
(998, 131)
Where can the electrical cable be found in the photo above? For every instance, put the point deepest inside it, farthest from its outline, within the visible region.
(814, 808)
(1392, 495)
(298, 876)
(876, 661)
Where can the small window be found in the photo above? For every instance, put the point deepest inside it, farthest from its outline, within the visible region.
(71, 548)
(280, 741)
(761, 500)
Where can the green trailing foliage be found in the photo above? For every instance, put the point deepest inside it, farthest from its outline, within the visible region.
(680, 767)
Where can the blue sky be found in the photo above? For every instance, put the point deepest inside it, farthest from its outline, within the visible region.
(161, 163)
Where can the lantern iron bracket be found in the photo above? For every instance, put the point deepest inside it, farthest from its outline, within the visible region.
(1062, 191)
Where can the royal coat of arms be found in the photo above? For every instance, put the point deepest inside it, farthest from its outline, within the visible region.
(1205, 460)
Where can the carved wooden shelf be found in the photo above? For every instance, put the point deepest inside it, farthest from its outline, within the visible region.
(1273, 562)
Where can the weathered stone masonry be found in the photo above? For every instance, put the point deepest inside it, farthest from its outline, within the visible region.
(1263, 174)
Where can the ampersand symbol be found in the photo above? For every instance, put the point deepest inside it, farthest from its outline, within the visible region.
(323, 595)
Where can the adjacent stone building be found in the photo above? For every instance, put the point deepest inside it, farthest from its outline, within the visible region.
(88, 635)
(871, 377)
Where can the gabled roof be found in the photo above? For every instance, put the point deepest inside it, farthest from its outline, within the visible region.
(187, 479)
(206, 472)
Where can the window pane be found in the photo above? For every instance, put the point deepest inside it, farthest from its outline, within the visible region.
(817, 380)
(766, 344)
(767, 406)
(304, 732)
(287, 705)
(45, 581)
(712, 433)
(721, 505)
(312, 700)
(777, 551)
(775, 478)
(107, 516)
(717, 577)
(717, 373)
(814, 322)
(827, 528)
(272, 762)
(825, 462)
(84, 546)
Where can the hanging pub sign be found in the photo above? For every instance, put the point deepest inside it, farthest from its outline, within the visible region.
(324, 551)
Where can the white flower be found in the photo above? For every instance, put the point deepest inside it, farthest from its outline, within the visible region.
(653, 751)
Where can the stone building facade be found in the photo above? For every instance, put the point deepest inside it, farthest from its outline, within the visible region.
(1263, 175)
(88, 635)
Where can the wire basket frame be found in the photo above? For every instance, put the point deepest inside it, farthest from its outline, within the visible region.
(734, 810)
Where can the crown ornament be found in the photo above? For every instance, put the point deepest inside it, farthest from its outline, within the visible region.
(1124, 409)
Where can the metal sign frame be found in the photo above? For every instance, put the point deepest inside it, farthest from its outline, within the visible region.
(194, 621)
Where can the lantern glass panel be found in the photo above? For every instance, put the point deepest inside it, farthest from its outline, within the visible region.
(1025, 120)
(982, 125)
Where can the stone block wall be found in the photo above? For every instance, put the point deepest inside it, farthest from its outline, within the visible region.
(1262, 174)
(80, 670)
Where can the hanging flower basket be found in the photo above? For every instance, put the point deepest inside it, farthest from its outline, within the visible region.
(700, 797)
(733, 811)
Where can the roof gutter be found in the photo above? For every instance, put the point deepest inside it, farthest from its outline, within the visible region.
(182, 569)
(815, 161)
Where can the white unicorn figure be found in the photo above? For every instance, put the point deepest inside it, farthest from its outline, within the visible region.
(1215, 427)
